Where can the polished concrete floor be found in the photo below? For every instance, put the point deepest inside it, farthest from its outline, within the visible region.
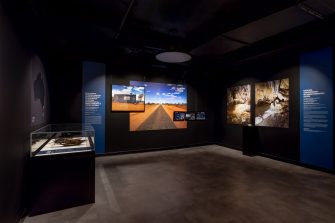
(209, 184)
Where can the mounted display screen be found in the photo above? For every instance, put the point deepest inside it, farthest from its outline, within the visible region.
(179, 116)
(127, 98)
(161, 101)
(238, 105)
(201, 116)
(190, 116)
(272, 103)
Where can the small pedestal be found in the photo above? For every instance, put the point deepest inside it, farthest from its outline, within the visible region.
(61, 181)
(250, 140)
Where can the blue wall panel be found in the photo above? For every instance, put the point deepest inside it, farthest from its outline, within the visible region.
(316, 108)
(93, 101)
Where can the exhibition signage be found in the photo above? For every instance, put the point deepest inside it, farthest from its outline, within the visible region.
(316, 108)
(93, 106)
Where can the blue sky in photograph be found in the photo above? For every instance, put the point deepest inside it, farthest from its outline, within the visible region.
(122, 89)
(161, 93)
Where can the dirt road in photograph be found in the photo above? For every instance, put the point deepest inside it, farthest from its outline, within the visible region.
(159, 119)
(170, 109)
(137, 118)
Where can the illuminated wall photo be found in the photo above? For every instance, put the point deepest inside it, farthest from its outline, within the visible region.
(238, 105)
(161, 101)
(127, 98)
(272, 103)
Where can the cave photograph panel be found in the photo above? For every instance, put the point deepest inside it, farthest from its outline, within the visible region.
(238, 105)
(272, 103)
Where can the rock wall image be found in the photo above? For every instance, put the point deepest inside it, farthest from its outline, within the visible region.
(238, 105)
(272, 103)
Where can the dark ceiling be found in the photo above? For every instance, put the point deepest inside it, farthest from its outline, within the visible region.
(146, 27)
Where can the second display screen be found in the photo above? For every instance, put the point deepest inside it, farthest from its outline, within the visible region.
(161, 101)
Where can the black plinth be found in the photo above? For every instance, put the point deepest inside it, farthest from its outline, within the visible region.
(61, 181)
(250, 140)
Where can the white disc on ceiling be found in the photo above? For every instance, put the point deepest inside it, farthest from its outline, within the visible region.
(173, 57)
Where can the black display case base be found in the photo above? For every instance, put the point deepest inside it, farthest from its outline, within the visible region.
(61, 181)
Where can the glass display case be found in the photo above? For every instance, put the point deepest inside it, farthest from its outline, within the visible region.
(61, 139)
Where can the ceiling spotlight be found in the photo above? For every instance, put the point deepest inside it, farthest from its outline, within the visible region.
(173, 57)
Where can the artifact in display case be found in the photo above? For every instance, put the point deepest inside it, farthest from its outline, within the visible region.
(62, 138)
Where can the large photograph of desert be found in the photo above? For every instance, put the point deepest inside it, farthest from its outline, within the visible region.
(238, 105)
(272, 103)
(127, 98)
(161, 101)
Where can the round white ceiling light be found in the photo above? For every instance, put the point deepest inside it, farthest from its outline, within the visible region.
(173, 57)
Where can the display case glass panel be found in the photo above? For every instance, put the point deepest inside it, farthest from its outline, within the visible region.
(62, 138)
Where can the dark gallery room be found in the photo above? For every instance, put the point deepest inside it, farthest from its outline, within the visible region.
(169, 111)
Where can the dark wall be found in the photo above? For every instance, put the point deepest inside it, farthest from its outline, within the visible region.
(39, 93)
(14, 119)
(199, 91)
(277, 142)
(65, 84)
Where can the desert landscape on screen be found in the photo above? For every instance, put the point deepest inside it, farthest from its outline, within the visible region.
(116, 106)
(161, 101)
